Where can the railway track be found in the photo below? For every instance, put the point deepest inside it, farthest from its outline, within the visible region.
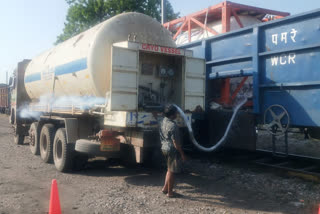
(296, 165)
(293, 165)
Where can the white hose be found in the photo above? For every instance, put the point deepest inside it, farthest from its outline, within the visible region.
(222, 140)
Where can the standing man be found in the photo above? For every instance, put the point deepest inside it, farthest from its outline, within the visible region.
(171, 147)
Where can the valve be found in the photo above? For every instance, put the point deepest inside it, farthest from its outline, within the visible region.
(276, 120)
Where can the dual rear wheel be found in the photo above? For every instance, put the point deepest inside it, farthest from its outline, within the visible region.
(62, 151)
(46, 142)
(52, 145)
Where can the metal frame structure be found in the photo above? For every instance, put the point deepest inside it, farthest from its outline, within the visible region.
(222, 11)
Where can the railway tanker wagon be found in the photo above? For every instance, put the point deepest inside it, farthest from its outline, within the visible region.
(101, 93)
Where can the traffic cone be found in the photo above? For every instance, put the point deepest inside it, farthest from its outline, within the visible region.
(319, 209)
(54, 207)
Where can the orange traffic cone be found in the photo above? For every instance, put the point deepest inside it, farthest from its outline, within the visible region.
(319, 209)
(54, 207)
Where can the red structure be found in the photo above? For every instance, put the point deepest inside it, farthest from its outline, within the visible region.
(222, 11)
(4, 98)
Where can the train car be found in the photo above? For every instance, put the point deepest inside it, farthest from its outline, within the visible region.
(4, 99)
(282, 57)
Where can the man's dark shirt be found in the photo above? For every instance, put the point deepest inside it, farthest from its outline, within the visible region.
(168, 133)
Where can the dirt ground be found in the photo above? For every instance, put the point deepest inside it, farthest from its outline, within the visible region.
(204, 187)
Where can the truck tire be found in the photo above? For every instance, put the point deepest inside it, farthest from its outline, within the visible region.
(46, 142)
(88, 147)
(93, 148)
(19, 139)
(34, 138)
(62, 151)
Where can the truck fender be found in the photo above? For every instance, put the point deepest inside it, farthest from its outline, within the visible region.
(71, 126)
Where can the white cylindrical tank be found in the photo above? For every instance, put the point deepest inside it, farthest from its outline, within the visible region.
(81, 66)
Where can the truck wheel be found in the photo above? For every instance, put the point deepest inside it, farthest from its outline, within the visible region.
(46, 142)
(62, 152)
(18, 139)
(34, 138)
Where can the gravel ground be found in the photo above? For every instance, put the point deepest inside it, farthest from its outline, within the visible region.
(204, 187)
(297, 144)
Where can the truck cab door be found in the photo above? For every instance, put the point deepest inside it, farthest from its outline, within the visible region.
(124, 80)
(194, 88)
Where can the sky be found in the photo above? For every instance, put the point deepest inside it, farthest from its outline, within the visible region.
(29, 27)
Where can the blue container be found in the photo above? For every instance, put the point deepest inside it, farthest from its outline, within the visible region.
(283, 56)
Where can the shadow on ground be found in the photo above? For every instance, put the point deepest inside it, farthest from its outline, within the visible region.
(212, 191)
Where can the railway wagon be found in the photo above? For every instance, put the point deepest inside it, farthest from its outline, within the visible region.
(4, 99)
(283, 59)
(102, 92)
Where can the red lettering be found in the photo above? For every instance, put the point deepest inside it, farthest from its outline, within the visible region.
(156, 48)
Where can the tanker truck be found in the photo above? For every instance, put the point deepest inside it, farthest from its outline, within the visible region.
(101, 93)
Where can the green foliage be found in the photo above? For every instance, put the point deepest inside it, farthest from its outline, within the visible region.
(83, 14)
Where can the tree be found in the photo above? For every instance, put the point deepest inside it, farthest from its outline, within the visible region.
(83, 14)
